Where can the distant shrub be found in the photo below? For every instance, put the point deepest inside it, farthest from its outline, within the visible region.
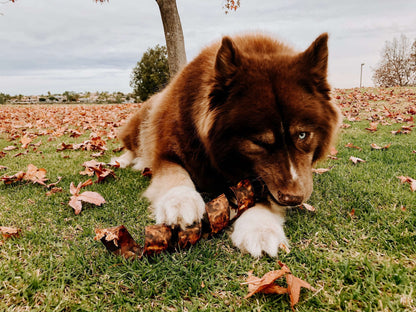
(151, 73)
(4, 98)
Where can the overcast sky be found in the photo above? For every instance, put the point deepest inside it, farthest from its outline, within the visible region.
(78, 45)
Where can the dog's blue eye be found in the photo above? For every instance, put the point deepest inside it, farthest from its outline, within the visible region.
(302, 135)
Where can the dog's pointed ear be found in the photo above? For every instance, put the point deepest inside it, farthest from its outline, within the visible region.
(227, 61)
(314, 66)
(315, 58)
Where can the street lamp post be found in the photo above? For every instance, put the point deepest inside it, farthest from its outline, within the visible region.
(361, 75)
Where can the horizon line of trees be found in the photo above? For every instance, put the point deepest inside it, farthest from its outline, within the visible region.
(116, 97)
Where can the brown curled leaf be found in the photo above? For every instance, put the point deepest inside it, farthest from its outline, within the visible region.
(356, 160)
(308, 207)
(257, 285)
(294, 285)
(8, 232)
(14, 178)
(320, 170)
(374, 146)
(77, 198)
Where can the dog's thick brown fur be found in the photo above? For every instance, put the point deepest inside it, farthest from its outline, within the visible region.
(248, 106)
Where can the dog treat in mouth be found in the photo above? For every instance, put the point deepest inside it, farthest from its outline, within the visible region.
(161, 237)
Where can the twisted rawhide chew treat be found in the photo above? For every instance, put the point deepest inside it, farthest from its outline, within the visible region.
(220, 212)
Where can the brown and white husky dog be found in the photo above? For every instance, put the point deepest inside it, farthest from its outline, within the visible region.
(246, 106)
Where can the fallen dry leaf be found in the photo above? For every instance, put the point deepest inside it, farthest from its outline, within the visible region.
(54, 190)
(320, 170)
(21, 153)
(267, 285)
(77, 198)
(346, 126)
(10, 148)
(283, 246)
(409, 180)
(14, 178)
(256, 285)
(308, 207)
(25, 140)
(8, 232)
(64, 146)
(372, 127)
(55, 183)
(403, 130)
(333, 151)
(356, 160)
(294, 284)
(98, 168)
(118, 149)
(33, 174)
(95, 143)
(36, 175)
(350, 145)
(99, 154)
(374, 146)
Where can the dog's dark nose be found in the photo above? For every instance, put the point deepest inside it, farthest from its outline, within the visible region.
(289, 200)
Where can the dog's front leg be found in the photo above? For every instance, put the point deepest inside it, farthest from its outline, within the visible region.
(173, 196)
(260, 229)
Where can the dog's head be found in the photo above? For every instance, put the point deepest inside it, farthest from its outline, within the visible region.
(271, 114)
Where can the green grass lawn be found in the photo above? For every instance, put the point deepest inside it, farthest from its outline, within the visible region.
(358, 249)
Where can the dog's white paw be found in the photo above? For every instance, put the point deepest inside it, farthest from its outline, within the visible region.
(180, 205)
(138, 164)
(124, 160)
(259, 230)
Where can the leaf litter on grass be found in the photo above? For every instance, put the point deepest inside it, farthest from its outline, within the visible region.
(354, 105)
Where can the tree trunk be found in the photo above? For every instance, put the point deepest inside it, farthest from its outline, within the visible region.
(175, 43)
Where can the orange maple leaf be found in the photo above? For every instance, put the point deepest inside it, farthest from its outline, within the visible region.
(356, 160)
(263, 284)
(8, 232)
(350, 145)
(92, 166)
(320, 170)
(36, 175)
(374, 146)
(267, 285)
(77, 198)
(409, 180)
(14, 178)
(25, 140)
(308, 207)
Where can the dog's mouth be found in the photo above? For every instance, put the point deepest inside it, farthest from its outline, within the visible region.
(285, 200)
(261, 190)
